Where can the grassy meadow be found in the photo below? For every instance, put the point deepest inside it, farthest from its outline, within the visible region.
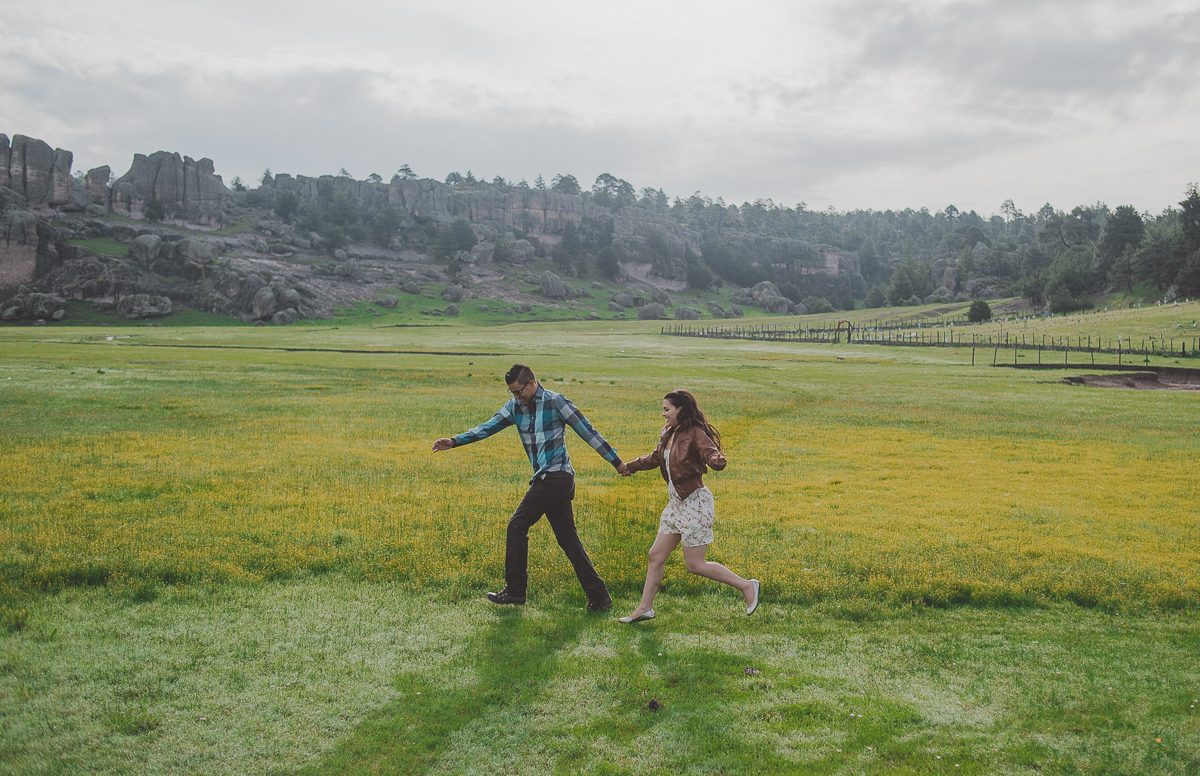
(229, 550)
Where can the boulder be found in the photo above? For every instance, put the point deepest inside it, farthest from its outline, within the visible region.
(453, 293)
(412, 287)
(734, 312)
(290, 297)
(623, 299)
(145, 249)
(12, 309)
(285, 317)
(660, 296)
(552, 286)
(264, 303)
(687, 314)
(387, 300)
(597, 285)
(513, 251)
(651, 312)
(144, 306)
(616, 308)
(716, 309)
(350, 269)
(483, 251)
(451, 309)
(767, 297)
(43, 305)
(197, 251)
(483, 308)
(593, 316)
(814, 305)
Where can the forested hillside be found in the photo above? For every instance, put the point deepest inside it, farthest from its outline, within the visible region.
(1063, 259)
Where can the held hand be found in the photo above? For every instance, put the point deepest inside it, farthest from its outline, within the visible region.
(623, 470)
(445, 443)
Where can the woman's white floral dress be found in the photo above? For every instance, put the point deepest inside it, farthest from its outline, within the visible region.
(692, 517)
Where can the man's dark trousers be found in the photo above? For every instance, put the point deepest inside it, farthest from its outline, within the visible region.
(550, 496)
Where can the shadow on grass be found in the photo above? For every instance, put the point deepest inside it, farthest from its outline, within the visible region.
(699, 720)
(510, 660)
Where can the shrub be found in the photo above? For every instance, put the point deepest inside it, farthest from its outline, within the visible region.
(980, 311)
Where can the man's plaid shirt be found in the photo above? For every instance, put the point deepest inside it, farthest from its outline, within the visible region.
(542, 426)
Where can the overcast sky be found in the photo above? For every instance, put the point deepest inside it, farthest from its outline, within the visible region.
(849, 103)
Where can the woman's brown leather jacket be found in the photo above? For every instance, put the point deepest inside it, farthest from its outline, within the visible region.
(691, 456)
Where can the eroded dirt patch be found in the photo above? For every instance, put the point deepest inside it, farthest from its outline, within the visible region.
(1132, 381)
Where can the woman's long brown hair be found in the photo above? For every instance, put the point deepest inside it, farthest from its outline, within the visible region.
(690, 414)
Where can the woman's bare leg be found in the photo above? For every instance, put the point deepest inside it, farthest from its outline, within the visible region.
(659, 552)
(714, 571)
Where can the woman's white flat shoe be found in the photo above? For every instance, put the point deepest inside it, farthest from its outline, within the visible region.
(753, 604)
(648, 615)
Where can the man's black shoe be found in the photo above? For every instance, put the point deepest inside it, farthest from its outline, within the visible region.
(599, 606)
(505, 597)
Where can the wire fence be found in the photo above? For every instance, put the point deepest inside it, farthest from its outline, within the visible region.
(843, 333)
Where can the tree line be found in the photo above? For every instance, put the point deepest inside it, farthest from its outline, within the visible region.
(1062, 259)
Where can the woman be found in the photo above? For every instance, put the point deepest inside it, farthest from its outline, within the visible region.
(689, 445)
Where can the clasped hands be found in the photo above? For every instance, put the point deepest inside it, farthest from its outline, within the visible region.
(623, 470)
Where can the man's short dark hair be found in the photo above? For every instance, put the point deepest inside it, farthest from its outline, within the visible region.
(519, 374)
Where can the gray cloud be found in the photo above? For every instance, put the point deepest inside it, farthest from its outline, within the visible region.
(860, 104)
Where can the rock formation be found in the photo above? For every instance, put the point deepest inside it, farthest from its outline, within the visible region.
(552, 286)
(39, 173)
(187, 190)
(32, 305)
(144, 306)
(97, 184)
(27, 243)
(651, 312)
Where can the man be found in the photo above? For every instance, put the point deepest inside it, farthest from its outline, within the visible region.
(541, 418)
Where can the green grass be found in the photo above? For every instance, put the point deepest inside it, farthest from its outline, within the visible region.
(227, 549)
(333, 676)
(103, 246)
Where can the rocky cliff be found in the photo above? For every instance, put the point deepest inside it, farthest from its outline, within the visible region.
(188, 190)
(37, 172)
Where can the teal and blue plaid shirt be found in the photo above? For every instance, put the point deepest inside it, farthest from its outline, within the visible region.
(542, 426)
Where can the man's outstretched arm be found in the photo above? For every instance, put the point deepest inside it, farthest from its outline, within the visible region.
(500, 421)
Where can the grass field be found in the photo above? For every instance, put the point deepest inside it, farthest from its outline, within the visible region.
(191, 516)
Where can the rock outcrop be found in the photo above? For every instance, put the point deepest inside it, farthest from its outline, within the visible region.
(37, 172)
(765, 295)
(188, 190)
(96, 184)
(145, 249)
(139, 306)
(33, 305)
(27, 243)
